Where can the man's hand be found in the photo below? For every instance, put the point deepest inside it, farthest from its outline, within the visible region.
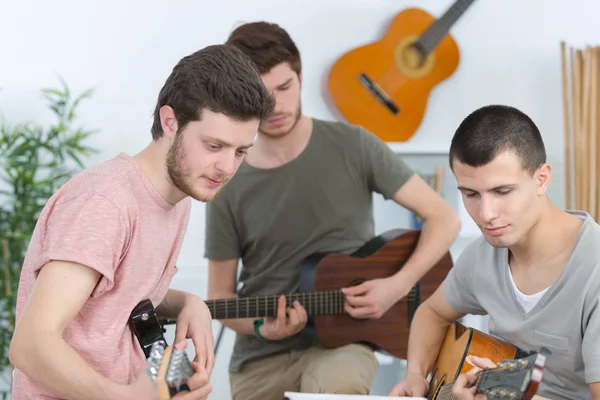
(143, 388)
(460, 389)
(372, 299)
(195, 322)
(283, 325)
(199, 383)
(411, 386)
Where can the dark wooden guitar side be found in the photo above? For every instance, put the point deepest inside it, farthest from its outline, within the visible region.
(323, 275)
(517, 376)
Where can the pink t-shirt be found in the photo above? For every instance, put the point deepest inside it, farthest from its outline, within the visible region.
(110, 218)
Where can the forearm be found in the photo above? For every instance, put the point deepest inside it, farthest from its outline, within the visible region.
(172, 304)
(426, 335)
(243, 326)
(55, 365)
(437, 235)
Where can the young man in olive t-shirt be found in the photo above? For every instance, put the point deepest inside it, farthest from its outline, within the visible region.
(306, 186)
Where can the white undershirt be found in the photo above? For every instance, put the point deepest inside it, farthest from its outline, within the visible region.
(526, 301)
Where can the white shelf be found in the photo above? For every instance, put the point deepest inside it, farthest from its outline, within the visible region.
(416, 148)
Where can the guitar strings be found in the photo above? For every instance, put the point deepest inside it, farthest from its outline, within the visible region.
(324, 302)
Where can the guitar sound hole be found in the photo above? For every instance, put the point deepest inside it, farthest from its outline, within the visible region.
(357, 282)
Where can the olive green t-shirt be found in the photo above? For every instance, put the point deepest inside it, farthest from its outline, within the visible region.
(319, 202)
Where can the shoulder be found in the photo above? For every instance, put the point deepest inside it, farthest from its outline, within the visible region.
(111, 181)
(347, 137)
(586, 252)
(338, 131)
(587, 255)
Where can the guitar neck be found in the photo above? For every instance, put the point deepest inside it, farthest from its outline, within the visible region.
(316, 303)
(436, 31)
(445, 392)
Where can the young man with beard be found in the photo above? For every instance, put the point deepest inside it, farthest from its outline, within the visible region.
(535, 271)
(110, 238)
(306, 187)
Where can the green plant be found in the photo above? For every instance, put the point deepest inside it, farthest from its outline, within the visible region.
(34, 162)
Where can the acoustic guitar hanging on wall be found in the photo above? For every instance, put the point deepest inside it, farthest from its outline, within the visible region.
(385, 85)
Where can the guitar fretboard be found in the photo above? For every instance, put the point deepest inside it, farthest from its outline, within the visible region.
(316, 303)
(436, 31)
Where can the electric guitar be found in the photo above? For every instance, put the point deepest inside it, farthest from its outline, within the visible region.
(321, 278)
(385, 85)
(168, 367)
(517, 375)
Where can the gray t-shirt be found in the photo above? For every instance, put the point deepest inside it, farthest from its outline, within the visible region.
(274, 218)
(566, 319)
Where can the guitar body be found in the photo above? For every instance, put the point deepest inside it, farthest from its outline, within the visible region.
(390, 64)
(380, 258)
(460, 342)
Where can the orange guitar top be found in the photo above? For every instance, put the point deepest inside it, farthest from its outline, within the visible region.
(385, 85)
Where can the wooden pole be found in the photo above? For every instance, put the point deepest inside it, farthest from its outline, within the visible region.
(567, 125)
(597, 137)
(580, 70)
(591, 133)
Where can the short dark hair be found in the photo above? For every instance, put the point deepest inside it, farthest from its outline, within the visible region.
(267, 44)
(492, 129)
(219, 78)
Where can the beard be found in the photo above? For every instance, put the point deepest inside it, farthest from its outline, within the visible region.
(276, 133)
(182, 179)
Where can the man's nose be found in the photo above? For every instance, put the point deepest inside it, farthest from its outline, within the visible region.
(488, 209)
(227, 163)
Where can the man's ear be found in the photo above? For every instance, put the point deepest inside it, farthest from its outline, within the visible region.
(168, 122)
(543, 175)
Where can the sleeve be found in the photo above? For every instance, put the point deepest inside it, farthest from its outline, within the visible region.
(386, 172)
(591, 336)
(459, 285)
(221, 237)
(89, 230)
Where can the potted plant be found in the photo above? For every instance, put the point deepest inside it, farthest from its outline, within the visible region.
(34, 162)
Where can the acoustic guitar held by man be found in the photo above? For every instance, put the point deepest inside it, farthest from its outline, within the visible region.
(535, 271)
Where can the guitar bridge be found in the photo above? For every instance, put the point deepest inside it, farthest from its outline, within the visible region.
(379, 93)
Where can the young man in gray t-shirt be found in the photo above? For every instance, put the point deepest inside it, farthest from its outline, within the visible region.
(535, 271)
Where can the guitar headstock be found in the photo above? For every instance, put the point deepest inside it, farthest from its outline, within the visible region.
(513, 379)
(169, 369)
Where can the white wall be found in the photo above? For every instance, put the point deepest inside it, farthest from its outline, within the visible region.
(125, 50)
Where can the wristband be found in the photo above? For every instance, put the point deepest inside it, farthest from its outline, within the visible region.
(257, 324)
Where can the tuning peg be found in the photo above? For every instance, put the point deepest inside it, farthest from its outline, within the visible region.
(154, 360)
(179, 369)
